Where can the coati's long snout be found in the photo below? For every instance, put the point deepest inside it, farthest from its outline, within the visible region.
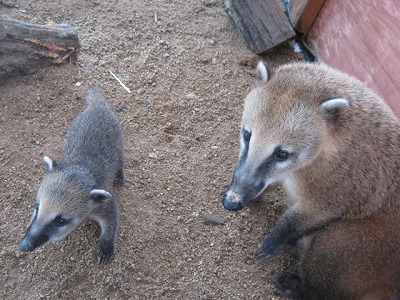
(244, 187)
(248, 179)
(32, 241)
(35, 236)
(40, 233)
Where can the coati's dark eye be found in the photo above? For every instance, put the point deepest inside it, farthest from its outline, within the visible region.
(60, 221)
(281, 155)
(246, 136)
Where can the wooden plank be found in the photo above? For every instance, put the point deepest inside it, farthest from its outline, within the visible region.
(262, 23)
(26, 47)
(362, 38)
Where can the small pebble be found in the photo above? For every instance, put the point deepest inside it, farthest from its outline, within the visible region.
(153, 155)
(191, 96)
(122, 106)
(212, 219)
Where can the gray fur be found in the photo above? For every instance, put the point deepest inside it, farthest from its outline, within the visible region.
(81, 185)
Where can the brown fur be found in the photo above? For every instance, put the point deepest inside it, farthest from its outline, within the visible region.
(354, 259)
(341, 179)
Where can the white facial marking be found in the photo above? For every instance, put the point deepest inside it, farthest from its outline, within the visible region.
(267, 184)
(271, 150)
(262, 72)
(234, 197)
(284, 164)
(35, 228)
(48, 162)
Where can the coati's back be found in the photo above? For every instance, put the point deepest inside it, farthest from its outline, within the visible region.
(94, 139)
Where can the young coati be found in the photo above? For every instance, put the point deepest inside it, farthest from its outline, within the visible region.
(81, 185)
(334, 146)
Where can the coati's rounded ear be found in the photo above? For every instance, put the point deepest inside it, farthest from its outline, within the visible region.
(262, 72)
(99, 195)
(48, 163)
(334, 107)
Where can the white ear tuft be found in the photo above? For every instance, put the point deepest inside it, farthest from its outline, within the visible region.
(48, 163)
(99, 195)
(262, 74)
(335, 106)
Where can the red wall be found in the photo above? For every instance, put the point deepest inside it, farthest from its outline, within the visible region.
(362, 38)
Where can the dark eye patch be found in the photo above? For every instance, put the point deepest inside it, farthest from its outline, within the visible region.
(281, 155)
(61, 221)
(246, 136)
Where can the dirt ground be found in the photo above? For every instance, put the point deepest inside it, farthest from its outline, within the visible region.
(189, 72)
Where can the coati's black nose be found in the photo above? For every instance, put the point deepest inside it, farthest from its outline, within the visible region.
(30, 243)
(229, 204)
(25, 246)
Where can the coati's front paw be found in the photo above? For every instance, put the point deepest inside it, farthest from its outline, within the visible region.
(119, 178)
(287, 284)
(105, 253)
(270, 248)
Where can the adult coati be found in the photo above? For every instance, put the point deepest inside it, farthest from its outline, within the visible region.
(334, 146)
(81, 185)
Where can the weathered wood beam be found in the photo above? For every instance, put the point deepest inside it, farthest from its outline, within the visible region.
(25, 47)
(262, 23)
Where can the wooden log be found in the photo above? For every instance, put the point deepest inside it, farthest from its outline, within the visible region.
(262, 23)
(25, 47)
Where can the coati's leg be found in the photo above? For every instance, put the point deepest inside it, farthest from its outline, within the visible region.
(288, 285)
(119, 178)
(107, 218)
(353, 259)
(293, 225)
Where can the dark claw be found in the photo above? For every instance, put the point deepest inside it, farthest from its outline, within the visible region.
(287, 285)
(270, 249)
(105, 253)
(104, 258)
(119, 179)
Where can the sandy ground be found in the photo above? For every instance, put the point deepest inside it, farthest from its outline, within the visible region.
(189, 72)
